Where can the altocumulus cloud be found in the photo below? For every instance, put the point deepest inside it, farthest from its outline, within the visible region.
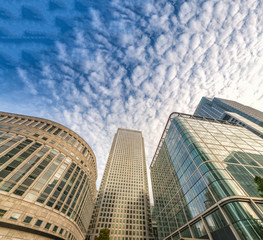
(131, 63)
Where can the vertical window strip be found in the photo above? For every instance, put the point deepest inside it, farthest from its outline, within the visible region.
(82, 198)
(37, 171)
(26, 167)
(14, 151)
(20, 121)
(51, 129)
(68, 137)
(54, 180)
(84, 211)
(76, 198)
(86, 153)
(72, 140)
(73, 192)
(32, 123)
(4, 119)
(46, 126)
(68, 188)
(84, 150)
(62, 134)
(76, 144)
(16, 162)
(12, 120)
(60, 188)
(57, 131)
(26, 122)
(39, 125)
(6, 136)
(39, 184)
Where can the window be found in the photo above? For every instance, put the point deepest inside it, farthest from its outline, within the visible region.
(47, 125)
(44, 138)
(38, 223)
(68, 137)
(2, 212)
(63, 134)
(48, 225)
(15, 216)
(55, 228)
(39, 125)
(57, 131)
(51, 129)
(27, 219)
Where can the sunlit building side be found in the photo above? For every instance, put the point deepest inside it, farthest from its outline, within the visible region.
(47, 180)
(202, 178)
(123, 200)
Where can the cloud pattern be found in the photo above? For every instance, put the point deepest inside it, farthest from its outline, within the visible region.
(95, 66)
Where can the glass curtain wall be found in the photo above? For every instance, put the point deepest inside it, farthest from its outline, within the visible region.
(200, 164)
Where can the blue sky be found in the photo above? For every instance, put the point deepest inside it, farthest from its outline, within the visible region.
(96, 65)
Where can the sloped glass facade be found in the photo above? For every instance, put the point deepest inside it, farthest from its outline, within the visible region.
(202, 177)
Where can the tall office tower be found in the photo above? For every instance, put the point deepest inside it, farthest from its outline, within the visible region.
(123, 200)
(202, 177)
(47, 180)
(218, 108)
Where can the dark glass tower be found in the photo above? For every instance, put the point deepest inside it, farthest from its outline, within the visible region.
(233, 111)
(202, 177)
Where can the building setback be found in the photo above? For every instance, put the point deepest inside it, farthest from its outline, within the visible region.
(202, 177)
(123, 200)
(47, 180)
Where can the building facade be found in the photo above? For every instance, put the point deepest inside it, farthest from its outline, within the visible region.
(202, 177)
(229, 110)
(123, 200)
(154, 223)
(47, 180)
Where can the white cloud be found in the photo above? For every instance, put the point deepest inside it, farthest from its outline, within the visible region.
(29, 84)
(144, 62)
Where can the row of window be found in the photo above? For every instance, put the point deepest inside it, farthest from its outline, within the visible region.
(174, 173)
(48, 128)
(123, 232)
(243, 216)
(39, 223)
(65, 190)
(89, 157)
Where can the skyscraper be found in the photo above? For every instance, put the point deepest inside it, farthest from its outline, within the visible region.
(219, 108)
(47, 180)
(202, 177)
(123, 200)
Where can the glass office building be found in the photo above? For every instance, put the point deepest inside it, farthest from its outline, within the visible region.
(202, 177)
(47, 180)
(233, 111)
(123, 200)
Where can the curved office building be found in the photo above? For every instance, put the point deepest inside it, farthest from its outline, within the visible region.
(47, 180)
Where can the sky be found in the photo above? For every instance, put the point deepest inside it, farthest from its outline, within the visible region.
(97, 65)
